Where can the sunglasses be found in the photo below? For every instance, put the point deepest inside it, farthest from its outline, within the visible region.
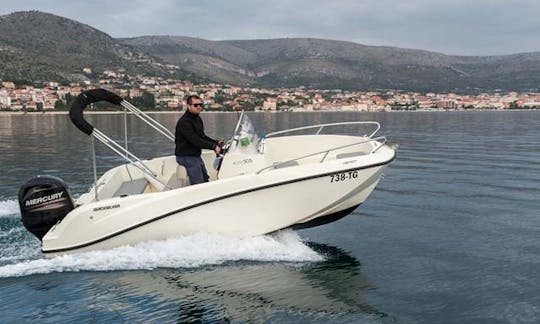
(197, 105)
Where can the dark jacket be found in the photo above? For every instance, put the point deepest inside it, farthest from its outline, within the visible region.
(190, 137)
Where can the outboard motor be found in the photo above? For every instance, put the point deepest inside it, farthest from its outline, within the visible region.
(44, 201)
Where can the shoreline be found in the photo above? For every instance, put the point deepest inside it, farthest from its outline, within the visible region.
(50, 113)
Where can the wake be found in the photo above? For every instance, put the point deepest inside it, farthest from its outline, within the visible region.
(9, 207)
(182, 252)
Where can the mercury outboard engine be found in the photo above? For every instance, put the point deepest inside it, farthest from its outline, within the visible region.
(44, 201)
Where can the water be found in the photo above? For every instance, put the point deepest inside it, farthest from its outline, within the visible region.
(450, 235)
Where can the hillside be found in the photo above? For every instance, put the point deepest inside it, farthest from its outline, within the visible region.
(338, 64)
(36, 46)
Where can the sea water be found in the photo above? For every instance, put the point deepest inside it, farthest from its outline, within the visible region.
(450, 235)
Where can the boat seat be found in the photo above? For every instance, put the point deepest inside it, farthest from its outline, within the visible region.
(179, 179)
(279, 165)
(349, 155)
(133, 187)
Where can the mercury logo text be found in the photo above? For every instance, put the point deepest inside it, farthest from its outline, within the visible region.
(44, 199)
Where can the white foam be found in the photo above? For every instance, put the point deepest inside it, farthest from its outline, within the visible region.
(11, 232)
(182, 252)
(22, 250)
(9, 208)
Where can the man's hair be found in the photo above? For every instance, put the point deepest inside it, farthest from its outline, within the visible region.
(190, 98)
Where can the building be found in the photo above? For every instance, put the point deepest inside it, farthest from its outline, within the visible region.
(5, 100)
(270, 104)
(8, 85)
(447, 104)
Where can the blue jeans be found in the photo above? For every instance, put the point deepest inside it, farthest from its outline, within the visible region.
(195, 168)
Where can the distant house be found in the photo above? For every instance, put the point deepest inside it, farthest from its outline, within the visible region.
(270, 104)
(447, 104)
(5, 100)
(16, 106)
(134, 92)
(531, 104)
(31, 105)
(8, 85)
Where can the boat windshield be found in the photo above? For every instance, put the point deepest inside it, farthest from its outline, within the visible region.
(245, 136)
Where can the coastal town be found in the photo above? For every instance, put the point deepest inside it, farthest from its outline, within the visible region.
(160, 94)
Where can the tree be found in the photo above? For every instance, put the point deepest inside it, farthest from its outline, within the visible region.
(513, 105)
(144, 102)
(69, 99)
(247, 105)
(148, 100)
(59, 105)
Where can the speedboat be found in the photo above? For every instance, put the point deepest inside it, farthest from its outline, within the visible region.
(295, 178)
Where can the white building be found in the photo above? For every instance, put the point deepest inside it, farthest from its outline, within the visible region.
(5, 100)
(531, 104)
(269, 104)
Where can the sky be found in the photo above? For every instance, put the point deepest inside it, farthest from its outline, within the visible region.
(455, 27)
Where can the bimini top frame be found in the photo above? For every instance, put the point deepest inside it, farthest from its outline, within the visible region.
(96, 95)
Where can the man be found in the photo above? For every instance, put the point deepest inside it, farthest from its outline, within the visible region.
(190, 139)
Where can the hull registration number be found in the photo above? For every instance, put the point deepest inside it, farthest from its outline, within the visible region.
(343, 176)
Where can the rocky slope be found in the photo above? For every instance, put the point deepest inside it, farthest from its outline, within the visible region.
(38, 46)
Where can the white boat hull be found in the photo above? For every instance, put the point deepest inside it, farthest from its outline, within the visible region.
(240, 206)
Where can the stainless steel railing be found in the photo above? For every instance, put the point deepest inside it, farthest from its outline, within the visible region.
(381, 140)
(322, 126)
(125, 153)
(149, 120)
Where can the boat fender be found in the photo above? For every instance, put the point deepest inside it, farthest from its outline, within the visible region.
(44, 201)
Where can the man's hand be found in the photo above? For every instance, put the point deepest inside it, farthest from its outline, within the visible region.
(217, 149)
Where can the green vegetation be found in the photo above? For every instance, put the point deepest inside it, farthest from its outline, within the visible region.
(144, 102)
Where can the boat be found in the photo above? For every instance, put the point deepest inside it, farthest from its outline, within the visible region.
(296, 178)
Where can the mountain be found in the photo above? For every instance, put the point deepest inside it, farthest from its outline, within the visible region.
(215, 61)
(39, 46)
(323, 63)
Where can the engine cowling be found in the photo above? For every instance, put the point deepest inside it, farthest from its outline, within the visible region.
(44, 201)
